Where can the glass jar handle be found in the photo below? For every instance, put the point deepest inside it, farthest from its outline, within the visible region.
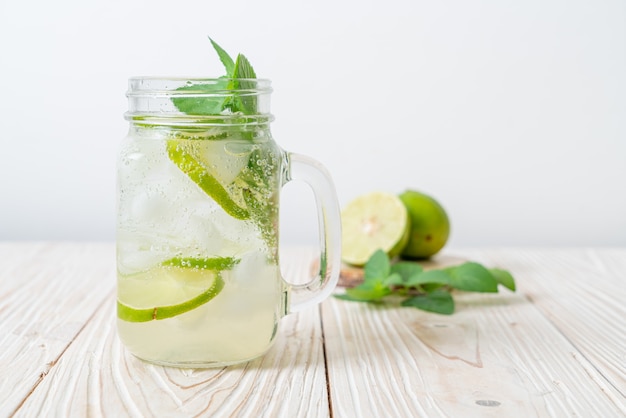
(302, 296)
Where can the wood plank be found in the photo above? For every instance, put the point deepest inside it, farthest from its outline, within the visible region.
(97, 377)
(498, 355)
(583, 293)
(49, 291)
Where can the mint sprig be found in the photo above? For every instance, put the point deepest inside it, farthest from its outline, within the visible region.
(229, 98)
(251, 194)
(428, 290)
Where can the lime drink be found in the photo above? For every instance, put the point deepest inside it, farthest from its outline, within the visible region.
(197, 266)
(198, 183)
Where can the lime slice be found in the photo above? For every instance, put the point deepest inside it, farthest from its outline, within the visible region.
(208, 183)
(370, 222)
(170, 289)
(248, 195)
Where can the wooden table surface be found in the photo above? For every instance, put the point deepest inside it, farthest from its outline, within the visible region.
(555, 348)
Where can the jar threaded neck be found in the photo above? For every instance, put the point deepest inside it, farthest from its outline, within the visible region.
(198, 101)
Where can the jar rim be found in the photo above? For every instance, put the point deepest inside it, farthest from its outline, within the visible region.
(173, 86)
(193, 78)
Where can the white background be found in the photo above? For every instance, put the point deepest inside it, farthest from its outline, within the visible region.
(511, 113)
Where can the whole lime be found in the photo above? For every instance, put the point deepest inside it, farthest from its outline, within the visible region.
(430, 226)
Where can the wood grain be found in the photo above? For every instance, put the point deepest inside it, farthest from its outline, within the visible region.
(556, 348)
(49, 292)
(97, 377)
(583, 293)
(498, 355)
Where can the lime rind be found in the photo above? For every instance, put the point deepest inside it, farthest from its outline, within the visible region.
(430, 225)
(216, 265)
(249, 196)
(397, 249)
(199, 175)
(130, 314)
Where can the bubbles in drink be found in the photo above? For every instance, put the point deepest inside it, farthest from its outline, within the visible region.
(170, 210)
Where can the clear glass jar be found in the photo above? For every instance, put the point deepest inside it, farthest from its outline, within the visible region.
(199, 180)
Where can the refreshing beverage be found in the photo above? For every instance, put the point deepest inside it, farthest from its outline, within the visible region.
(167, 260)
(199, 178)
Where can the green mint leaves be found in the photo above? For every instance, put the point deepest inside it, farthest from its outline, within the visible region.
(425, 290)
(227, 95)
(240, 68)
(438, 301)
(228, 62)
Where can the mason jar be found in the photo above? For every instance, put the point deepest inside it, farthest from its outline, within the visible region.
(198, 198)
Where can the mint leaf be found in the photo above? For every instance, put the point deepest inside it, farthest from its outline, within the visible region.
(438, 301)
(238, 77)
(413, 275)
(374, 286)
(472, 277)
(255, 182)
(394, 280)
(439, 277)
(243, 68)
(406, 270)
(504, 278)
(201, 105)
(240, 80)
(377, 267)
(228, 62)
(430, 289)
(366, 293)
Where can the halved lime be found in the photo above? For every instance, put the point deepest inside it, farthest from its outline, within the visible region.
(170, 289)
(370, 222)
